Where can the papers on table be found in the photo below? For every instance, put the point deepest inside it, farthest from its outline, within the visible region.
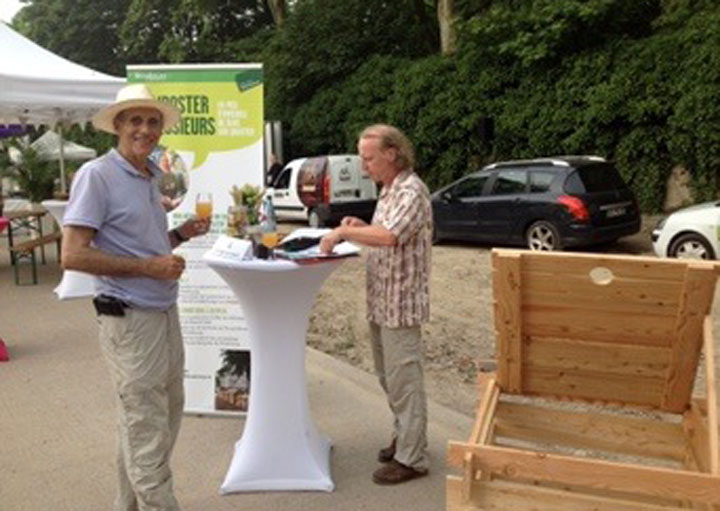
(232, 249)
(344, 249)
(235, 249)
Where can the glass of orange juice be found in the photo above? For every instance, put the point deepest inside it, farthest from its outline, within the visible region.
(270, 239)
(203, 205)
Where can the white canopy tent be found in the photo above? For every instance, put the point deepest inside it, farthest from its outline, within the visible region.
(51, 146)
(39, 87)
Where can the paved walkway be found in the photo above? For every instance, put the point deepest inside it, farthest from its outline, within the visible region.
(57, 431)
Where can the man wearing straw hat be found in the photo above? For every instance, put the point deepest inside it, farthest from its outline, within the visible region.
(115, 227)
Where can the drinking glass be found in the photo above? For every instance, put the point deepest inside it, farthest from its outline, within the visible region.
(270, 239)
(203, 205)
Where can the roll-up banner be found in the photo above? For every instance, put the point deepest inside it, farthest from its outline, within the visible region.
(217, 144)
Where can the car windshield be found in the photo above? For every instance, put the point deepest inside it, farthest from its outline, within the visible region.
(599, 177)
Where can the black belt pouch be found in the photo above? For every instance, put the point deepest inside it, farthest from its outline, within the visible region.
(109, 305)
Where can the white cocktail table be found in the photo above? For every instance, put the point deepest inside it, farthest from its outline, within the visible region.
(280, 449)
(74, 284)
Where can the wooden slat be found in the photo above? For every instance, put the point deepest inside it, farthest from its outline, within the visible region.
(643, 296)
(506, 289)
(508, 496)
(622, 359)
(598, 326)
(711, 393)
(695, 304)
(593, 386)
(602, 475)
(622, 266)
(590, 430)
(32, 243)
(698, 438)
(485, 410)
(485, 413)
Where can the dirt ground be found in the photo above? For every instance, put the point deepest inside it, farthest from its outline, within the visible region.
(459, 338)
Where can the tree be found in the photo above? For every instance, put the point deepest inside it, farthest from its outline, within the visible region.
(190, 30)
(326, 40)
(84, 31)
(446, 21)
(279, 11)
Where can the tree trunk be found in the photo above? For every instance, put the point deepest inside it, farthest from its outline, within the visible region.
(278, 8)
(446, 19)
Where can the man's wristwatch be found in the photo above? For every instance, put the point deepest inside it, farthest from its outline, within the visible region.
(176, 232)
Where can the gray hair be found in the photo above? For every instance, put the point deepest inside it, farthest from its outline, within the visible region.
(391, 137)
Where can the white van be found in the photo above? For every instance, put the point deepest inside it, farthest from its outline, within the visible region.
(324, 189)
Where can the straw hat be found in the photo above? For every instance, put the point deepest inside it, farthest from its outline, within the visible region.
(134, 96)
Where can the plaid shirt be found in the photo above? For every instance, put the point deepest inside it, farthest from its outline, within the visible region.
(398, 277)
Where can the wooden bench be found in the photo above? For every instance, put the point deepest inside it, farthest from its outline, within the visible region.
(25, 251)
(591, 407)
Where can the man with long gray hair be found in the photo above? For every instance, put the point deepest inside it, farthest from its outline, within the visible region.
(398, 271)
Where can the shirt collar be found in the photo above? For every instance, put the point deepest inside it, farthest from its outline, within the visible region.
(402, 176)
(120, 160)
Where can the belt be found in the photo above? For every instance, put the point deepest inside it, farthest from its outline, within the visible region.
(109, 305)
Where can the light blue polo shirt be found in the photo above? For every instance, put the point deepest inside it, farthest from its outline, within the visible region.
(123, 205)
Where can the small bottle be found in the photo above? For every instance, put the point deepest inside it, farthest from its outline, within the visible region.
(268, 225)
(269, 217)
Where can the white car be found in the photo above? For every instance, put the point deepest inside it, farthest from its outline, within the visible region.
(691, 233)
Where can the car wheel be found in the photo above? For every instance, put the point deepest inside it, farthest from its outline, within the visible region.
(691, 246)
(314, 219)
(543, 235)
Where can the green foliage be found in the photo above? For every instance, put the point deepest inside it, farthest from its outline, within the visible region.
(325, 41)
(84, 31)
(190, 30)
(34, 175)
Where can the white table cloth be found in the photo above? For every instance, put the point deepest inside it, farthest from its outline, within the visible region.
(74, 284)
(280, 449)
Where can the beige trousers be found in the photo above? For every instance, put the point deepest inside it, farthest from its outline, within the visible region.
(145, 354)
(398, 356)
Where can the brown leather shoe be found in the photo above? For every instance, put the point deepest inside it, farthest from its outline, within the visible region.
(386, 454)
(395, 473)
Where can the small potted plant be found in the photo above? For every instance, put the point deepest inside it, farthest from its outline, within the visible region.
(34, 175)
(244, 213)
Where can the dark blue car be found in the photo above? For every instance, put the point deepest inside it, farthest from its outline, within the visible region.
(544, 204)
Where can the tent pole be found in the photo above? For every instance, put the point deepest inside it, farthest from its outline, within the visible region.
(63, 185)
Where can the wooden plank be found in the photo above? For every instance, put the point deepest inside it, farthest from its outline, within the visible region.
(636, 390)
(643, 296)
(598, 325)
(591, 430)
(622, 266)
(32, 243)
(695, 303)
(596, 474)
(483, 416)
(711, 393)
(506, 292)
(508, 496)
(622, 359)
(698, 438)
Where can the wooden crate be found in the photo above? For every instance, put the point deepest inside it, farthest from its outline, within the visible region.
(591, 406)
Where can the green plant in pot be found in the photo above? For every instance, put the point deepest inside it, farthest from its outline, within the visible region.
(34, 175)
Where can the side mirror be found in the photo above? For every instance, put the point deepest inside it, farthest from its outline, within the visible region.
(447, 196)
